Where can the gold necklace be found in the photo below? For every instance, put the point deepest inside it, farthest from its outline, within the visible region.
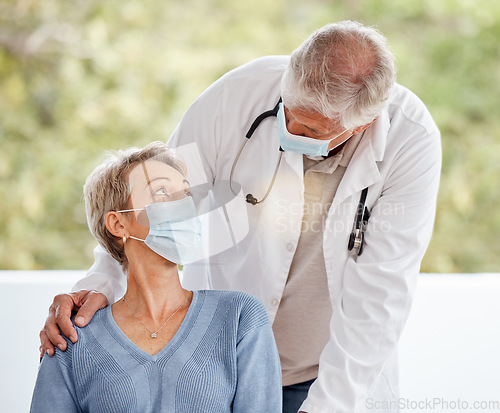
(153, 334)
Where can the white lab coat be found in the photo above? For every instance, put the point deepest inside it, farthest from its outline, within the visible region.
(250, 248)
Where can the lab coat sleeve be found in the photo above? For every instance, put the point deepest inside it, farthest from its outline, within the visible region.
(197, 139)
(378, 286)
(105, 276)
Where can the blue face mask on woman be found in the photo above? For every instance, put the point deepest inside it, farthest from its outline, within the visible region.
(174, 229)
(302, 144)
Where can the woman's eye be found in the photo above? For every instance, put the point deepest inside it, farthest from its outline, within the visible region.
(161, 192)
(164, 194)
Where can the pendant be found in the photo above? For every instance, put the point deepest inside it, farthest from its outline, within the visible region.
(153, 335)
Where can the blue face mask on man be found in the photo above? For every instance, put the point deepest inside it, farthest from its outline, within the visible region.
(302, 144)
(174, 230)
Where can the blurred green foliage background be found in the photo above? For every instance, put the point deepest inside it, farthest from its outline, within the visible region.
(80, 77)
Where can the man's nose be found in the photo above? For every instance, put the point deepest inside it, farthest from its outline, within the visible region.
(295, 128)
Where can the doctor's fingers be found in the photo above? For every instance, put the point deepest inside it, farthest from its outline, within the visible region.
(50, 336)
(89, 304)
(59, 316)
(45, 344)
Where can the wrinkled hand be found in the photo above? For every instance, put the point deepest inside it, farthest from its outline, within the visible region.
(85, 301)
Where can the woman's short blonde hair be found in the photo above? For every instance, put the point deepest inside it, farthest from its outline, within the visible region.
(107, 189)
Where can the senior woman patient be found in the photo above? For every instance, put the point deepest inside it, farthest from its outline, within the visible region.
(161, 348)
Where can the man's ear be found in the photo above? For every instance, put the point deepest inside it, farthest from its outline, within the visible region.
(114, 224)
(362, 128)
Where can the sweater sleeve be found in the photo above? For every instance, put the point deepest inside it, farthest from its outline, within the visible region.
(54, 388)
(259, 387)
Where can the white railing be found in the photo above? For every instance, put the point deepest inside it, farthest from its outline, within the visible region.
(449, 351)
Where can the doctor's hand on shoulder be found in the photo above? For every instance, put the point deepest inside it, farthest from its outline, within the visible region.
(85, 302)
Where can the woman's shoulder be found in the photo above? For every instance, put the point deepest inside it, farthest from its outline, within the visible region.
(91, 328)
(85, 335)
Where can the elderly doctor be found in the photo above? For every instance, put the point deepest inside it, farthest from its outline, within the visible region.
(341, 191)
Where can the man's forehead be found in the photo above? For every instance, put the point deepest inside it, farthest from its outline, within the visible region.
(315, 120)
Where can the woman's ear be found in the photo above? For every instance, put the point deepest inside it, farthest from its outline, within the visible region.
(114, 224)
(186, 186)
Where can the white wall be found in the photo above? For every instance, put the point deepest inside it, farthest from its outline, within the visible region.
(449, 350)
(25, 297)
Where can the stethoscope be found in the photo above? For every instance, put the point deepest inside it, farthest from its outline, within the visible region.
(258, 120)
(357, 237)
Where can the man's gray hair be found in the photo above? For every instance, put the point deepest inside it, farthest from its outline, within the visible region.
(344, 71)
(107, 189)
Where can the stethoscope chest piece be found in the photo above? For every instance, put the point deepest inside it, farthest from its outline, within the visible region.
(357, 241)
(251, 199)
(357, 237)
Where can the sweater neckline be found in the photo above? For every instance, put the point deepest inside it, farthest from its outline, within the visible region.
(170, 347)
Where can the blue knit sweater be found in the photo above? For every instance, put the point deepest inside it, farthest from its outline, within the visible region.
(222, 359)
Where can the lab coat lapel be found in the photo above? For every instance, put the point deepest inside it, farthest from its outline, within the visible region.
(363, 170)
(296, 162)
